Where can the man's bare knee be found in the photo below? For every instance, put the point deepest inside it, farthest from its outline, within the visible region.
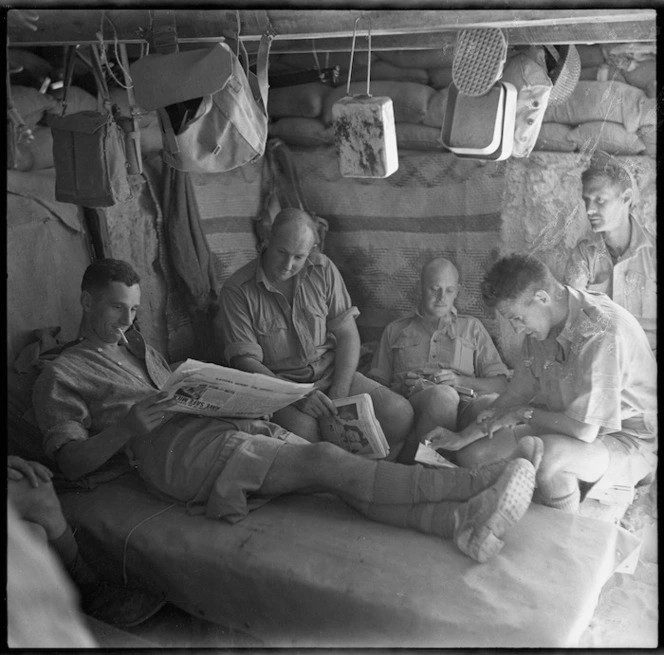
(485, 451)
(297, 422)
(394, 412)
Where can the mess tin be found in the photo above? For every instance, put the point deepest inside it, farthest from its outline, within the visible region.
(480, 127)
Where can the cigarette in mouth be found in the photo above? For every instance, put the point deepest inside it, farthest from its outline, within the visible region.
(122, 336)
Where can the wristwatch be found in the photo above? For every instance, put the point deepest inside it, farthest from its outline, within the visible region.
(527, 414)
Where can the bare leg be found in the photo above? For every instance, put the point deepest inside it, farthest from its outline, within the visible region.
(565, 462)
(297, 422)
(395, 415)
(483, 451)
(434, 406)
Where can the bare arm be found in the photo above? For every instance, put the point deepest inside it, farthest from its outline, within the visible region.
(492, 384)
(347, 355)
(315, 404)
(81, 457)
(251, 365)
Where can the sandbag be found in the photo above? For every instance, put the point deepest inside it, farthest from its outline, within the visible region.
(590, 55)
(307, 60)
(441, 57)
(440, 78)
(649, 113)
(77, 100)
(31, 104)
(607, 136)
(644, 77)
(305, 132)
(553, 137)
(410, 100)
(415, 136)
(436, 110)
(597, 101)
(603, 73)
(383, 70)
(40, 149)
(648, 134)
(305, 100)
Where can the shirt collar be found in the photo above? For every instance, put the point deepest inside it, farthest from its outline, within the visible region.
(449, 328)
(639, 238)
(261, 278)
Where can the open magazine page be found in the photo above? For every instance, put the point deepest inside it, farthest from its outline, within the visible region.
(355, 428)
(427, 455)
(211, 390)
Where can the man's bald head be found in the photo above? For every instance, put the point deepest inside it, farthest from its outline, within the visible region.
(439, 282)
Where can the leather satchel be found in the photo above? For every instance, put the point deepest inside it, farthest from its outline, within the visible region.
(89, 149)
(212, 111)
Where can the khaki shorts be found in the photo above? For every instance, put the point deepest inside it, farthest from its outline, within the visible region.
(213, 466)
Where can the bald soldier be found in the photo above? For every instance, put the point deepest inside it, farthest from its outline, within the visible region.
(444, 362)
(287, 313)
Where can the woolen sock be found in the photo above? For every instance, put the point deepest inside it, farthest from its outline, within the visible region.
(67, 550)
(396, 484)
(431, 518)
(568, 503)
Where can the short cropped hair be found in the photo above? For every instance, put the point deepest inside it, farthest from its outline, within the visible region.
(102, 272)
(295, 215)
(607, 166)
(511, 276)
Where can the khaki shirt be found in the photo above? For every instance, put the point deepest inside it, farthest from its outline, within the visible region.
(462, 344)
(83, 391)
(293, 342)
(598, 369)
(631, 281)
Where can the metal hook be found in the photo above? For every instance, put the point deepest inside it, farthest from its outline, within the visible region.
(352, 53)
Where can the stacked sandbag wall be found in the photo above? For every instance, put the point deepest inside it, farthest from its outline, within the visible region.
(613, 107)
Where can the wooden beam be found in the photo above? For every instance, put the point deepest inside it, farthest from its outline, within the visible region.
(390, 29)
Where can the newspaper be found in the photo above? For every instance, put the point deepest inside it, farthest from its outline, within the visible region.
(355, 428)
(211, 390)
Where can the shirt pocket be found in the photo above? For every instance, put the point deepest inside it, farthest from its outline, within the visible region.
(640, 294)
(464, 356)
(316, 323)
(409, 352)
(272, 336)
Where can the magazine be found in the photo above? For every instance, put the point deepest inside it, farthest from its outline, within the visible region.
(211, 390)
(355, 428)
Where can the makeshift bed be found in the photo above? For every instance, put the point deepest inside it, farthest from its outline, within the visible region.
(310, 571)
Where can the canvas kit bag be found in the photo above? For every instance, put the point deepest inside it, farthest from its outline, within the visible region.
(212, 109)
(89, 148)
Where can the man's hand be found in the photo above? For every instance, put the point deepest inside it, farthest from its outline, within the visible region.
(18, 468)
(413, 382)
(445, 376)
(493, 419)
(148, 414)
(441, 437)
(316, 404)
